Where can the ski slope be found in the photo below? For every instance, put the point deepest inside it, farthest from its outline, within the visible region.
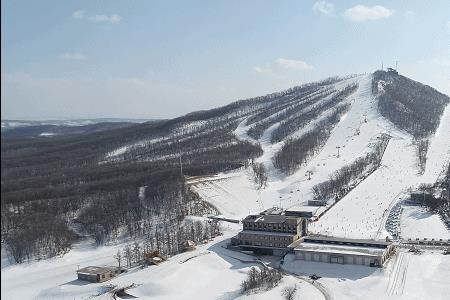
(417, 222)
(438, 154)
(234, 193)
(360, 213)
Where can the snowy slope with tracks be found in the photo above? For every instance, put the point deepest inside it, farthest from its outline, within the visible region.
(363, 211)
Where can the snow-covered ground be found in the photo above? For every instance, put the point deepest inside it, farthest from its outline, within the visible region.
(406, 276)
(234, 194)
(438, 154)
(208, 272)
(417, 222)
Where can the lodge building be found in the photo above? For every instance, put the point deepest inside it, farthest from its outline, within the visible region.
(270, 232)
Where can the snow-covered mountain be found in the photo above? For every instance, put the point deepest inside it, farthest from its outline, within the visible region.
(358, 144)
(370, 191)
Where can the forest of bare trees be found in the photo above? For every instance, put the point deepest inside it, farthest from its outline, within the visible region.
(166, 239)
(290, 125)
(339, 182)
(283, 112)
(421, 150)
(264, 279)
(410, 105)
(260, 175)
(296, 152)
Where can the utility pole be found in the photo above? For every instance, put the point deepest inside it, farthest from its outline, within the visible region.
(181, 167)
(338, 147)
(382, 67)
(396, 65)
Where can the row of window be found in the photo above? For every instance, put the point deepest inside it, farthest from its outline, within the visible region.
(266, 237)
(251, 243)
(275, 227)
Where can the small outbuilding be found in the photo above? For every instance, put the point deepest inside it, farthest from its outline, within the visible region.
(153, 257)
(154, 260)
(317, 202)
(98, 274)
(187, 245)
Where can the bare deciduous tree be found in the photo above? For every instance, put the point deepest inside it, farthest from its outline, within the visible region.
(289, 292)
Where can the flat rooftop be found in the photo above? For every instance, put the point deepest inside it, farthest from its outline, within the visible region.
(96, 270)
(338, 249)
(269, 218)
(331, 240)
(311, 209)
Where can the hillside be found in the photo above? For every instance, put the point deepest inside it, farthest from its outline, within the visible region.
(355, 143)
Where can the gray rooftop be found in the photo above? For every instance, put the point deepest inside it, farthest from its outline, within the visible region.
(96, 270)
(269, 219)
(328, 239)
(312, 209)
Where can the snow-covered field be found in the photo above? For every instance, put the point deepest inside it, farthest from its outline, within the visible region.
(417, 222)
(209, 272)
(234, 194)
(406, 276)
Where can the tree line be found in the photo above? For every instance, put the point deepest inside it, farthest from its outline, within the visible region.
(291, 125)
(421, 150)
(338, 183)
(166, 239)
(287, 111)
(296, 151)
(260, 175)
(410, 105)
(261, 279)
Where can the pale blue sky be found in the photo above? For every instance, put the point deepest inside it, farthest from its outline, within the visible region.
(159, 59)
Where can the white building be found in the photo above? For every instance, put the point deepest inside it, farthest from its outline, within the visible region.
(343, 251)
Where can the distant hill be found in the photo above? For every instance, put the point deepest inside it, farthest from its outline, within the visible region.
(51, 128)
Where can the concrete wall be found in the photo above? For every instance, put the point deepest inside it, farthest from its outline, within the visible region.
(96, 277)
(266, 240)
(86, 277)
(290, 227)
(339, 258)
